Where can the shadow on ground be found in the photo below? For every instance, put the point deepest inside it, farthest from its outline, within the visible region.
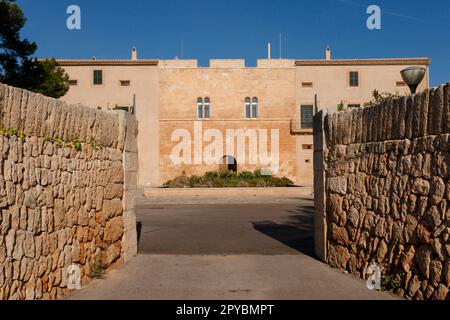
(297, 232)
(138, 231)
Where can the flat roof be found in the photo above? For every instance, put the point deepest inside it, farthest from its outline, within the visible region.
(364, 62)
(305, 62)
(111, 62)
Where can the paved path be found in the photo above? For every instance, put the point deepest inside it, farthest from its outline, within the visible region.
(227, 251)
(171, 196)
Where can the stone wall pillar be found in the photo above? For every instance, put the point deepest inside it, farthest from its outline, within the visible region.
(130, 164)
(320, 225)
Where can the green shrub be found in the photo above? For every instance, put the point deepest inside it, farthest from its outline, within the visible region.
(389, 282)
(245, 175)
(96, 268)
(228, 179)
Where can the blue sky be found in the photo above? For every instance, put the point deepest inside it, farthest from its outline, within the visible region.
(242, 28)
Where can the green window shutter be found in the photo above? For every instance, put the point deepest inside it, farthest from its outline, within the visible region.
(307, 113)
(98, 77)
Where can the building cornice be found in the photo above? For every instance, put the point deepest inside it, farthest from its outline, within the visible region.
(94, 62)
(364, 62)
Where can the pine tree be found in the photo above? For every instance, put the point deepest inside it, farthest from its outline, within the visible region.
(18, 67)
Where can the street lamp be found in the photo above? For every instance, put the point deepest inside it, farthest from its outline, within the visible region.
(413, 76)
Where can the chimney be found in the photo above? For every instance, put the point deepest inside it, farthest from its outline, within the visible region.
(134, 54)
(328, 54)
(268, 51)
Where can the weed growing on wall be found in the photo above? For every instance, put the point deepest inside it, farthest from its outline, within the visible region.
(76, 143)
(96, 268)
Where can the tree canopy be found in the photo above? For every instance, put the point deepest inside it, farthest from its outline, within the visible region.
(18, 67)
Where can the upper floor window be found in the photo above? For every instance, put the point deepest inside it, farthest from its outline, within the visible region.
(354, 79)
(251, 108)
(200, 108)
(73, 82)
(206, 108)
(248, 111)
(98, 77)
(307, 113)
(125, 83)
(203, 108)
(307, 84)
(255, 108)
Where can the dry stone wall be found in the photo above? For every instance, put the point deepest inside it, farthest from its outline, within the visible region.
(66, 177)
(383, 192)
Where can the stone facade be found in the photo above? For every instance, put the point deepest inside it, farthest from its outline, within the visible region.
(383, 191)
(65, 177)
(165, 94)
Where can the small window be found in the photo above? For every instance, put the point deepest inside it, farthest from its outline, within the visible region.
(307, 84)
(98, 77)
(207, 107)
(125, 83)
(124, 108)
(200, 108)
(306, 117)
(354, 106)
(73, 82)
(255, 108)
(307, 147)
(248, 114)
(354, 79)
(401, 84)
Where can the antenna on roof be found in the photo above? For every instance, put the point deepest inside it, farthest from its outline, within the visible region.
(280, 45)
(182, 48)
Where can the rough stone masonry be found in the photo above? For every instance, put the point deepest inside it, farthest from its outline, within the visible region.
(67, 192)
(383, 192)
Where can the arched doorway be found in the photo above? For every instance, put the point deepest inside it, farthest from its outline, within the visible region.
(228, 163)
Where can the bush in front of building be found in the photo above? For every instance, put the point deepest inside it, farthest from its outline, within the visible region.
(229, 179)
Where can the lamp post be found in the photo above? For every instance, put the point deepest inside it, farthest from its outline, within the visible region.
(413, 76)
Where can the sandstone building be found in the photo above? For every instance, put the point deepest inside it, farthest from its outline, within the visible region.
(183, 108)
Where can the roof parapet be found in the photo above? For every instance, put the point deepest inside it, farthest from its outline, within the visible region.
(364, 62)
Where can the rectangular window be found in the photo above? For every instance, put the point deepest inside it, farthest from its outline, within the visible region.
(73, 82)
(125, 83)
(207, 114)
(200, 111)
(124, 108)
(354, 106)
(307, 84)
(98, 77)
(354, 79)
(248, 114)
(255, 111)
(307, 113)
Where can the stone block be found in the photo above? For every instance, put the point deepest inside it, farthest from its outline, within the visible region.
(424, 106)
(436, 111)
(409, 117)
(417, 115)
(112, 208)
(446, 110)
(337, 185)
(113, 230)
(131, 162)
